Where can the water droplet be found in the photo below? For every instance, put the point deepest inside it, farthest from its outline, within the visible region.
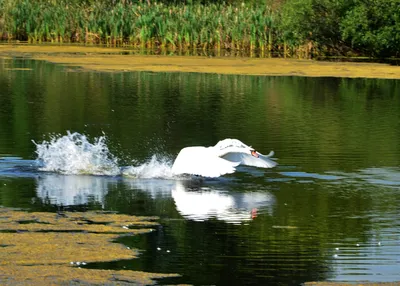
(125, 227)
(158, 248)
(72, 263)
(84, 263)
(337, 248)
(335, 256)
(128, 247)
(168, 251)
(357, 244)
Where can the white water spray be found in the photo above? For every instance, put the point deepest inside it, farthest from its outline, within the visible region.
(156, 167)
(75, 154)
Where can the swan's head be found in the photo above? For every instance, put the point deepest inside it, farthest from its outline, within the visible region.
(254, 153)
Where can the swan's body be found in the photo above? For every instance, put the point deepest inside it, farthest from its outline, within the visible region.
(220, 159)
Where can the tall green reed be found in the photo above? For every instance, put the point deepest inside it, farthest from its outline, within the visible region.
(238, 27)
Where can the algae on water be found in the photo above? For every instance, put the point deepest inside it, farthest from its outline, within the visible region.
(111, 60)
(44, 248)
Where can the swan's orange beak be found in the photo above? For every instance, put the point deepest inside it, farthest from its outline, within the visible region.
(254, 153)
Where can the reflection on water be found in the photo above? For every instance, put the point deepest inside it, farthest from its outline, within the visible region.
(290, 229)
(382, 176)
(193, 201)
(16, 166)
(203, 203)
(361, 260)
(329, 211)
(388, 177)
(71, 190)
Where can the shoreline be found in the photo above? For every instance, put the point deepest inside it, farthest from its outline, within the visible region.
(104, 59)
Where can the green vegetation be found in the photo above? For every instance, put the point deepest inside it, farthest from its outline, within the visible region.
(343, 27)
(302, 28)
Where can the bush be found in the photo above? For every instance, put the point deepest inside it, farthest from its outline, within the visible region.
(373, 27)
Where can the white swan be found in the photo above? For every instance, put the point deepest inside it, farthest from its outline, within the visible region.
(220, 159)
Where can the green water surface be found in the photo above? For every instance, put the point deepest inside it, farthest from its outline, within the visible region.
(328, 212)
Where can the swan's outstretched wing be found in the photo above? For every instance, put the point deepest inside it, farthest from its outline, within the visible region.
(203, 162)
(262, 161)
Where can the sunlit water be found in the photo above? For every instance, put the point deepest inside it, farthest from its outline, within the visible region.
(329, 211)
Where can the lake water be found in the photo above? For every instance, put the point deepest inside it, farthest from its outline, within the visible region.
(328, 212)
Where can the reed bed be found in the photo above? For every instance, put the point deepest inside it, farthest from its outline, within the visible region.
(145, 25)
(299, 28)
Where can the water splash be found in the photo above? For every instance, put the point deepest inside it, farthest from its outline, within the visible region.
(74, 154)
(156, 167)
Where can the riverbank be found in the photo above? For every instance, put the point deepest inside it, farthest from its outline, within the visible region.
(104, 59)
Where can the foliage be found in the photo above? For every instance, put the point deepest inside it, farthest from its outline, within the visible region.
(302, 28)
(373, 26)
(333, 27)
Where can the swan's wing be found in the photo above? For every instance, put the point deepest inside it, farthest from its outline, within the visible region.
(201, 161)
(235, 150)
(263, 161)
(226, 143)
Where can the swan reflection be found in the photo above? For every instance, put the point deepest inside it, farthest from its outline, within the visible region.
(205, 203)
(192, 200)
